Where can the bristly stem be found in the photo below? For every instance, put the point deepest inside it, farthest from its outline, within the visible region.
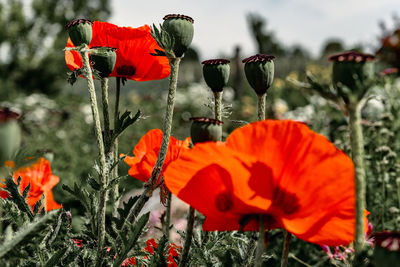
(167, 221)
(261, 107)
(218, 105)
(260, 243)
(357, 150)
(188, 240)
(285, 252)
(97, 127)
(148, 191)
(106, 115)
(115, 191)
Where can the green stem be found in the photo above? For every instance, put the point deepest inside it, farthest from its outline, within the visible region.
(115, 192)
(260, 243)
(188, 240)
(167, 221)
(285, 252)
(357, 150)
(174, 62)
(261, 107)
(106, 115)
(97, 127)
(218, 105)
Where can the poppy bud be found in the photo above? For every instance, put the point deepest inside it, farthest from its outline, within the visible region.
(216, 73)
(180, 27)
(259, 70)
(351, 73)
(205, 129)
(10, 134)
(80, 31)
(103, 60)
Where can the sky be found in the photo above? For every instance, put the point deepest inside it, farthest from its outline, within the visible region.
(220, 25)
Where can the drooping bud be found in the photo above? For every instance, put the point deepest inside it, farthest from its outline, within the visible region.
(103, 60)
(10, 134)
(80, 31)
(205, 129)
(352, 73)
(259, 70)
(180, 27)
(216, 73)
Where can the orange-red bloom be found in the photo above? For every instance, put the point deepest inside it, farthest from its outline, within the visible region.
(293, 176)
(42, 181)
(134, 46)
(146, 153)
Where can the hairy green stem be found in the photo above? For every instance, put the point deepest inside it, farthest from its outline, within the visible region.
(148, 191)
(285, 252)
(167, 221)
(218, 105)
(97, 127)
(261, 107)
(260, 242)
(115, 191)
(188, 240)
(106, 115)
(357, 150)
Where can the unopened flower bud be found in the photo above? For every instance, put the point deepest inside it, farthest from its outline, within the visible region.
(80, 31)
(180, 27)
(205, 130)
(216, 73)
(10, 134)
(103, 60)
(351, 73)
(259, 70)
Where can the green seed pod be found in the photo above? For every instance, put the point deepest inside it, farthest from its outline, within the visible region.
(205, 129)
(352, 73)
(259, 70)
(180, 27)
(80, 31)
(216, 73)
(10, 134)
(103, 60)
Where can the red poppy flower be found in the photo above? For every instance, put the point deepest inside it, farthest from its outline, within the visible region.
(146, 153)
(293, 176)
(134, 46)
(42, 181)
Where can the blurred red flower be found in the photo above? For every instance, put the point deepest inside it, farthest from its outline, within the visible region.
(134, 46)
(146, 153)
(39, 176)
(294, 177)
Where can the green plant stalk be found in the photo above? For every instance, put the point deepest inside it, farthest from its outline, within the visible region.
(260, 242)
(115, 191)
(261, 107)
(357, 150)
(188, 240)
(148, 191)
(167, 216)
(285, 252)
(106, 116)
(218, 105)
(101, 216)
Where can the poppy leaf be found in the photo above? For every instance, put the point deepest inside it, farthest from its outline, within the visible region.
(134, 233)
(94, 184)
(56, 258)
(16, 197)
(26, 190)
(37, 206)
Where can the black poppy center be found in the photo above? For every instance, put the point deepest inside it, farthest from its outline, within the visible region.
(126, 71)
